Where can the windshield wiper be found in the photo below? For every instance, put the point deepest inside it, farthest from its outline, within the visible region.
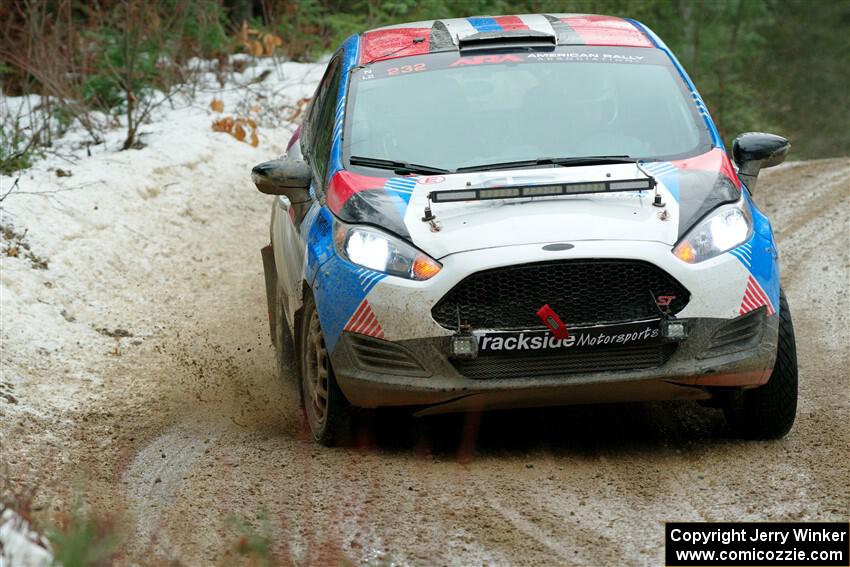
(565, 162)
(399, 167)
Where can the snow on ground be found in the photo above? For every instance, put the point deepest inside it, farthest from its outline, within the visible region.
(47, 311)
(20, 546)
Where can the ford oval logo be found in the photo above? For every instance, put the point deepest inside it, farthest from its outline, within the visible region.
(558, 246)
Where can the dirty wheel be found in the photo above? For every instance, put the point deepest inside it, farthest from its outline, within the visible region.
(327, 411)
(768, 412)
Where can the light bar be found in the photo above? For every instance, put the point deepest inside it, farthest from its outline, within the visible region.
(553, 190)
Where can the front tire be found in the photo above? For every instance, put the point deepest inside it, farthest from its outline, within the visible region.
(325, 407)
(768, 412)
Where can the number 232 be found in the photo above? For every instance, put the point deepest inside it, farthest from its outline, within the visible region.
(405, 69)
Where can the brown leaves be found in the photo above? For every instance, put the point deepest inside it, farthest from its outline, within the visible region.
(217, 105)
(243, 129)
(256, 42)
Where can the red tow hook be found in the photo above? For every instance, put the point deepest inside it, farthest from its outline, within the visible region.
(553, 322)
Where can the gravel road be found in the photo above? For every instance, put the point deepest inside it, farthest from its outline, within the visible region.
(182, 431)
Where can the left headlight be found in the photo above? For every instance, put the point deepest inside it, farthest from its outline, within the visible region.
(725, 228)
(382, 252)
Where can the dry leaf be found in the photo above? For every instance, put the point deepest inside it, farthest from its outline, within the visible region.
(217, 105)
(223, 124)
(270, 41)
(255, 48)
(237, 129)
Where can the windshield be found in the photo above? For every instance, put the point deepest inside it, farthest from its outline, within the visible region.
(449, 111)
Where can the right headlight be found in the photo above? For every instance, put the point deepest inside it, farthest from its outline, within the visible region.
(382, 252)
(723, 229)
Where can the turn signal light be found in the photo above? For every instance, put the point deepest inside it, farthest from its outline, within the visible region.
(685, 252)
(425, 268)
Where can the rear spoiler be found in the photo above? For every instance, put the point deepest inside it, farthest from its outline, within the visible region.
(509, 38)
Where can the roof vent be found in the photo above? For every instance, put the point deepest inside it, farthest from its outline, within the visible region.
(508, 38)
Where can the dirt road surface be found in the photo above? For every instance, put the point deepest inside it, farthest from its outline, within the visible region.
(182, 429)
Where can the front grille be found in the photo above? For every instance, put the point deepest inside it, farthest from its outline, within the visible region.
(580, 292)
(563, 363)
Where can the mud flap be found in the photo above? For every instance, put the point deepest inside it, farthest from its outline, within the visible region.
(270, 272)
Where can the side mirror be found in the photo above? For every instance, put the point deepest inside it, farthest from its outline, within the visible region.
(755, 150)
(288, 177)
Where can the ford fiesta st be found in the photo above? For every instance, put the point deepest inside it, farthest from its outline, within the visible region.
(523, 211)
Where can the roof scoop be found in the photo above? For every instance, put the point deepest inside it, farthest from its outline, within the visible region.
(507, 38)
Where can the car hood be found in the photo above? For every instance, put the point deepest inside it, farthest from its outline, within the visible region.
(688, 188)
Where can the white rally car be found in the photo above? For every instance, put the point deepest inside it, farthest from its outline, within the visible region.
(523, 211)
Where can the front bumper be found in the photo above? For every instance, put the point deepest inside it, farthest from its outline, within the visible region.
(418, 372)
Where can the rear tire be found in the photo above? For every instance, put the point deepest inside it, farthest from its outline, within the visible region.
(328, 412)
(768, 412)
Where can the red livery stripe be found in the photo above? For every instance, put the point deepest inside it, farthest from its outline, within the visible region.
(344, 184)
(712, 160)
(754, 297)
(365, 322)
(511, 22)
(607, 30)
(358, 315)
(394, 42)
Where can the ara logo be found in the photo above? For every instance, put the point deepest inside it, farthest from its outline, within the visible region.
(481, 59)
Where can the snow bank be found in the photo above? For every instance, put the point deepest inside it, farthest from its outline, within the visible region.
(20, 546)
(70, 227)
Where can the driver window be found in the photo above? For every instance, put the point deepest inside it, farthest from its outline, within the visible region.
(322, 120)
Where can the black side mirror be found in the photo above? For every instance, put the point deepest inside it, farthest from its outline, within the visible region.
(755, 150)
(288, 177)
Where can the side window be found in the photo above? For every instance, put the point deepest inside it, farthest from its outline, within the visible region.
(320, 121)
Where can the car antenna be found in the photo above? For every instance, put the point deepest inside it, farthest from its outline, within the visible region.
(656, 202)
(416, 40)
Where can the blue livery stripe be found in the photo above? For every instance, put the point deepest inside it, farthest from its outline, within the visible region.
(665, 170)
(763, 264)
(660, 169)
(369, 279)
(401, 188)
(742, 256)
(484, 24)
(350, 58)
(396, 184)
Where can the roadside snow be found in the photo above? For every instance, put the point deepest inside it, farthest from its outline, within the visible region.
(66, 241)
(20, 546)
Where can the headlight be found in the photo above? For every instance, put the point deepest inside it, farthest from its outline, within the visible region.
(722, 230)
(379, 251)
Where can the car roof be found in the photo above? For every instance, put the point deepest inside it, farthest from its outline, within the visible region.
(417, 38)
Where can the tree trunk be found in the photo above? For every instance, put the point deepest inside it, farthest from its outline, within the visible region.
(131, 126)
